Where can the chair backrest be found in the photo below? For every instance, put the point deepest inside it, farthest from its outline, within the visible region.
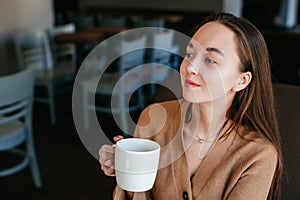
(62, 51)
(16, 96)
(163, 47)
(66, 28)
(163, 40)
(134, 56)
(33, 50)
(132, 53)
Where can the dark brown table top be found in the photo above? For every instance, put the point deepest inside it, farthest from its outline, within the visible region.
(79, 37)
(171, 17)
(109, 30)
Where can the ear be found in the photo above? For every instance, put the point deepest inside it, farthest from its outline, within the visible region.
(243, 81)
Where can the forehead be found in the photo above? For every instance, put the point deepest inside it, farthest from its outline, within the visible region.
(215, 35)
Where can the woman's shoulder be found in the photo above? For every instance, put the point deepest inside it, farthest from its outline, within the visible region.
(169, 103)
(254, 143)
(159, 118)
(158, 114)
(170, 106)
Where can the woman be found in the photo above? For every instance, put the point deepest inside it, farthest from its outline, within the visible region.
(221, 141)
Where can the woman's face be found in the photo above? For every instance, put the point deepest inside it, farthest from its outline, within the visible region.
(210, 69)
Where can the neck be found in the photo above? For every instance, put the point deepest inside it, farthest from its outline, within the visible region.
(208, 119)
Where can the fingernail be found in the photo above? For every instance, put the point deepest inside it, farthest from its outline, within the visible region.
(117, 138)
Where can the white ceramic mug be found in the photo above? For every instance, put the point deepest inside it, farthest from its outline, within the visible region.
(136, 164)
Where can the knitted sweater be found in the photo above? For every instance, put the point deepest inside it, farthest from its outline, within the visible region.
(240, 166)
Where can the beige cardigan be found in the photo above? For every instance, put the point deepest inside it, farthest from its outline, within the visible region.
(235, 168)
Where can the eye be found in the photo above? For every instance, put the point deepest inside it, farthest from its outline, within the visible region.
(210, 61)
(189, 55)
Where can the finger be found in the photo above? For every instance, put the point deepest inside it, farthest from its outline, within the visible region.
(118, 137)
(107, 159)
(109, 171)
(108, 168)
(106, 153)
(108, 163)
(107, 148)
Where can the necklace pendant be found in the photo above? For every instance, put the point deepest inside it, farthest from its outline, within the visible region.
(200, 140)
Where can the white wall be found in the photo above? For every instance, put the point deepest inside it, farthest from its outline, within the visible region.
(21, 16)
(25, 15)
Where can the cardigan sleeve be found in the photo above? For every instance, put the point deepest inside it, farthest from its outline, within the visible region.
(256, 180)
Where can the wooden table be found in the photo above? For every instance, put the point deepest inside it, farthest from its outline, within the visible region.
(109, 30)
(79, 37)
(172, 18)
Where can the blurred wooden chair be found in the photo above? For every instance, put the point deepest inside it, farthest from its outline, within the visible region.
(83, 23)
(120, 85)
(16, 122)
(160, 58)
(33, 50)
(65, 52)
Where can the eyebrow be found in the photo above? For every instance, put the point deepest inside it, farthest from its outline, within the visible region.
(209, 49)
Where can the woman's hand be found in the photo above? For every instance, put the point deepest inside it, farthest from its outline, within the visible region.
(107, 158)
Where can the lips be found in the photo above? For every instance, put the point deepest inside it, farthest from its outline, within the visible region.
(189, 83)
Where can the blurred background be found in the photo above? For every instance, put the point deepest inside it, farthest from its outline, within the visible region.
(67, 169)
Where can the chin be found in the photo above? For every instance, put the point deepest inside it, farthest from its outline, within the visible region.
(190, 96)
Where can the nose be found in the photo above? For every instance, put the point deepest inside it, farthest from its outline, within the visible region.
(191, 69)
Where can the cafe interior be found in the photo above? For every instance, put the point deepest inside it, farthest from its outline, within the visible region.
(60, 62)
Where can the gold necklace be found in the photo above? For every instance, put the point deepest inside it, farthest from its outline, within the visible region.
(188, 118)
(201, 140)
(212, 139)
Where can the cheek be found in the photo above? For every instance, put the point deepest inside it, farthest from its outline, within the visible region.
(219, 83)
(230, 78)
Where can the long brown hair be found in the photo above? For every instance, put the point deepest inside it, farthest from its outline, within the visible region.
(253, 106)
